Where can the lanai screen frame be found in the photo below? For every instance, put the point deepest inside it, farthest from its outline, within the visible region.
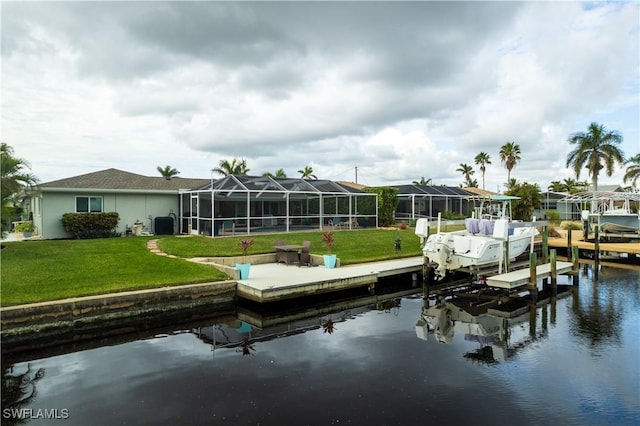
(246, 204)
(594, 201)
(446, 195)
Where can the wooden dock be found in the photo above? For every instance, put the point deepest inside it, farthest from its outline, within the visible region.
(272, 282)
(632, 248)
(522, 277)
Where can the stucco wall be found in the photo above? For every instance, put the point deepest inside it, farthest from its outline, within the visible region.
(130, 207)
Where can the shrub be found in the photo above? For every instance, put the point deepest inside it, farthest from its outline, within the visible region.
(447, 215)
(327, 239)
(25, 227)
(91, 225)
(244, 245)
(571, 225)
(553, 215)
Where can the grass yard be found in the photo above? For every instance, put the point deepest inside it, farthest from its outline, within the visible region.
(35, 271)
(350, 246)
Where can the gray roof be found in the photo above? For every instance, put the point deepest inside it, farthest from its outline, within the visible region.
(121, 180)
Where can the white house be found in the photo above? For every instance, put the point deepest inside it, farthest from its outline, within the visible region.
(134, 197)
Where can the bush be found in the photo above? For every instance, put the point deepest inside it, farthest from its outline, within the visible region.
(447, 215)
(91, 225)
(553, 215)
(571, 225)
(25, 227)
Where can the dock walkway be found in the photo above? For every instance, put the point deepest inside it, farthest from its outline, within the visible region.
(272, 282)
(521, 277)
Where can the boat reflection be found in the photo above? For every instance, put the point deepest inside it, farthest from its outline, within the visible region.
(490, 328)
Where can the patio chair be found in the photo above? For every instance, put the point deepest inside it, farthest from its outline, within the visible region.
(281, 256)
(304, 258)
(228, 226)
(336, 222)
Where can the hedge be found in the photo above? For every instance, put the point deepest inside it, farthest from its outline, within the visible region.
(91, 225)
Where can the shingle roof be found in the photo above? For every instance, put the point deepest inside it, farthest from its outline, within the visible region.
(118, 179)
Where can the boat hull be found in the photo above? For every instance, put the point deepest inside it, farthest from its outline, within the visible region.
(455, 250)
(620, 223)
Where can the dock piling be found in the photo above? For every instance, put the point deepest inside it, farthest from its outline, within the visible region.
(533, 277)
(554, 273)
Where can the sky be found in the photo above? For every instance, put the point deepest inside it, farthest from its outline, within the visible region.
(379, 93)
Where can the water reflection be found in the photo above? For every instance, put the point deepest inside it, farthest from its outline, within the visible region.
(356, 361)
(19, 389)
(490, 329)
(599, 310)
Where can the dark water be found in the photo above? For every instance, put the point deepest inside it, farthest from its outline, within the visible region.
(575, 362)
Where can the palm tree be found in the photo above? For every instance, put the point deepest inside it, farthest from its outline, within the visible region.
(307, 173)
(422, 181)
(467, 171)
(235, 167)
(556, 186)
(595, 150)
(570, 185)
(483, 159)
(14, 179)
(278, 174)
(510, 155)
(633, 170)
(167, 172)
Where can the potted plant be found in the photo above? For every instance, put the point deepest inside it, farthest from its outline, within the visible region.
(27, 229)
(243, 267)
(329, 259)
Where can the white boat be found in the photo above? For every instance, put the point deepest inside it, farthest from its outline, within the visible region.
(612, 212)
(619, 219)
(482, 243)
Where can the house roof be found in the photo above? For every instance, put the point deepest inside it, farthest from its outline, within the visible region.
(243, 183)
(432, 191)
(479, 191)
(121, 180)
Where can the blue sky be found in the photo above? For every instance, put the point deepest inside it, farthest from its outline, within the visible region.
(399, 90)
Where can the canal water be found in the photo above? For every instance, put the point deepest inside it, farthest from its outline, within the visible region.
(361, 361)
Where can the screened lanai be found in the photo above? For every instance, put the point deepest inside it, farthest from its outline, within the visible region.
(418, 201)
(247, 204)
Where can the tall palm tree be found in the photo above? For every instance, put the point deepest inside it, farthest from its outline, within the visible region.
(14, 179)
(278, 174)
(423, 181)
(307, 173)
(235, 167)
(483, 159)
(167, 172)
(467, 171)
(633, 170)
(510, 155)
(595, 150)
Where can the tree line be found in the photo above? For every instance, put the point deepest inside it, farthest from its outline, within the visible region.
(238, 167)
(595, 150)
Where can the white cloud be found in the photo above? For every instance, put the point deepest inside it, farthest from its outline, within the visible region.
(400, 90)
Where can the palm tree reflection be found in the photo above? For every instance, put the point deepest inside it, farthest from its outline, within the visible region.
(18, 390)
(328, 326)
(246, 347)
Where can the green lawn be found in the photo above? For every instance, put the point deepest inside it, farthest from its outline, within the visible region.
(34, 271)
(350, 246)
(37, 271)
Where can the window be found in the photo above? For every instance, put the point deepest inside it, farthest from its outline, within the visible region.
(88, 204)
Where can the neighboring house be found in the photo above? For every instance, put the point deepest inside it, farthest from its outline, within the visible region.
(134, 197)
